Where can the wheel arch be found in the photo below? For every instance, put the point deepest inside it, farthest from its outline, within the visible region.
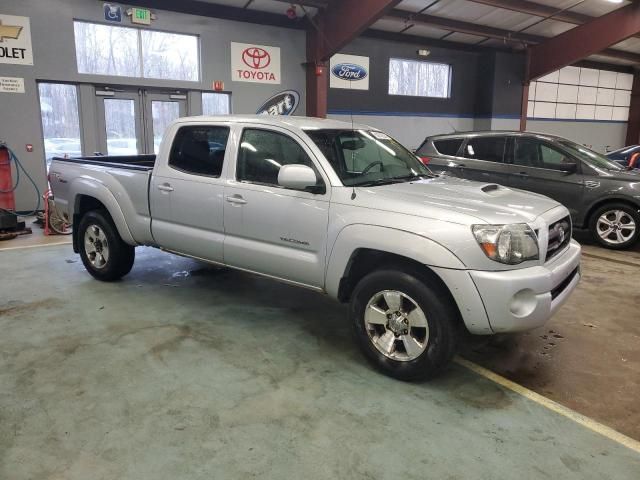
(90, 197)
(603, 201)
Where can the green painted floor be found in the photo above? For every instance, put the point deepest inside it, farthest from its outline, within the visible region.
(183, 371)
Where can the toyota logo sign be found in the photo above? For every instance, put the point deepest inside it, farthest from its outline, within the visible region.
(255, 63)
(256, 57)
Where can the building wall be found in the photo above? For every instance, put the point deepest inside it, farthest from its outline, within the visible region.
(54, 59)
(599, 136)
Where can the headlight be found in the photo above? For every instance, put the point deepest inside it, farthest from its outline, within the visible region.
(510, 244)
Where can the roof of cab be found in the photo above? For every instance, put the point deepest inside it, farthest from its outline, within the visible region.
(304, 123)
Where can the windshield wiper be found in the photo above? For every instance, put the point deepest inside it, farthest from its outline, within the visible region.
(390, 180)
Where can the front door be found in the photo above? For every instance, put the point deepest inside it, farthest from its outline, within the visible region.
(186, 193)
(540, 167)
(132, 121)
(270, 229)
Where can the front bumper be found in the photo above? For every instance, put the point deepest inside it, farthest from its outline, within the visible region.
(523, 299)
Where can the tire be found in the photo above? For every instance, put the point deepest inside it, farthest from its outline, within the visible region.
(434, 345)
(624, 222)
(104, 254)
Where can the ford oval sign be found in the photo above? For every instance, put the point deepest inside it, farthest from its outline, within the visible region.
(282, 103)
(349, 71)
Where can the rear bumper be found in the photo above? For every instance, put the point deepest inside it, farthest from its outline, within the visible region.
(517, 300)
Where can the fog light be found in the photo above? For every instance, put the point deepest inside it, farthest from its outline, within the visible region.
(523, 303)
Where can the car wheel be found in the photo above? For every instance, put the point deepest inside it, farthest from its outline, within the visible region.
(104, 254)
(615, 225)
(405, 324)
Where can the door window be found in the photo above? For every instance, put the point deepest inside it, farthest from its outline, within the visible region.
(448, 146)
(490, 149)
(264, 152)
(199, 150)
(120, 121)
(162, 114)
(533, 153)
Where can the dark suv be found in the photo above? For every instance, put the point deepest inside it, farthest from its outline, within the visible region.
(600, 194)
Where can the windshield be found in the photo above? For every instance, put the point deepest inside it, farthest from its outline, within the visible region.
(367, 157)
(593, 158)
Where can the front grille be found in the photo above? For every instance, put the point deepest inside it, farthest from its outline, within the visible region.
(559, 236)
(564, 284)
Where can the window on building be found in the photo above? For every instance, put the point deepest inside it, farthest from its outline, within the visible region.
(199, 150)
(263, 153)
(133, 52)
(419, 79)
(216, 103)
(60, 120)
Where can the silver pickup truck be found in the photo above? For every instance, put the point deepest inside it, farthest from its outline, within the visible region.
(338, 208)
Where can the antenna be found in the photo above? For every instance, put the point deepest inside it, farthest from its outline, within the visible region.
(455, 130)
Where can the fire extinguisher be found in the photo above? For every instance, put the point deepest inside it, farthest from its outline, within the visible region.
(7, 185)
(7, 199)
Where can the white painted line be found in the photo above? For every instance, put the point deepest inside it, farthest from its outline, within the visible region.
(2, 249)
(583, 420)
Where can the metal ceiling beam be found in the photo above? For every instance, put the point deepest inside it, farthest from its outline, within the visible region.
(539, 10)
(501, 34)
(306, 3)
(590, 38)
(339, 23)
(329, 31)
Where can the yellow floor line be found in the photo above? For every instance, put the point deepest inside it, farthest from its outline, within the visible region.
(583, 420)
(68, 242)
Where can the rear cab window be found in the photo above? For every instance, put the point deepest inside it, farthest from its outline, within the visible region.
(199, 149)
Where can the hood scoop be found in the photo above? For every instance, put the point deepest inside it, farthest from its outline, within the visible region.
(492, 188)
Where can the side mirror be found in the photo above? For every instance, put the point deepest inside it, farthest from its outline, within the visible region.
(569, 167)
(297, 177)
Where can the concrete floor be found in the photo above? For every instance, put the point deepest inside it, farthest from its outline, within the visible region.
(185, 371)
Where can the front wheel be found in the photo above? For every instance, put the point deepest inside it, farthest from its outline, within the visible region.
(104, 254)
(615, 226)
(404, 323)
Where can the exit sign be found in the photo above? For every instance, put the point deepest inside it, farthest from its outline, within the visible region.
(141, 16)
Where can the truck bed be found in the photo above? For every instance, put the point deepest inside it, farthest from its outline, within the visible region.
(131, 162)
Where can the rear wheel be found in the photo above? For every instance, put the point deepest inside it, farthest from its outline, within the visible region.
(405, 324)
(615, 226)
(104, 254)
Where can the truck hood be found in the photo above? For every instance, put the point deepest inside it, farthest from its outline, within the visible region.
(458, 199)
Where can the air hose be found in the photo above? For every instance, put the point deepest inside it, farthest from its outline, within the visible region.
(13, 157)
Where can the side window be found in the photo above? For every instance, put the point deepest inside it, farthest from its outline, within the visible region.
(489, 148)
(199, 150)
(448, 146)
(263, 152)
(527, 153)
(553, 158)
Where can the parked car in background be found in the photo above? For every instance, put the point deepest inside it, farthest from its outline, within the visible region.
(337, 208)
(624, 156)
(601, 195)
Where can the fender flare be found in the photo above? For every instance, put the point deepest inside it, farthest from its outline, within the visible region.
(385, 239)
(98, 191)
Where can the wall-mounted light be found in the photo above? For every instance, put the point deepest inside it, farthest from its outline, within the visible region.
(423, 53)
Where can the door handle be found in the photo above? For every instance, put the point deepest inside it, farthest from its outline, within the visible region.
(456, 165)
(522, 174)
(165, 187)
(236, 199)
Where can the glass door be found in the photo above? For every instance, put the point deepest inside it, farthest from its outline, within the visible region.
(160, 109)
(119, 122)
(132, 122)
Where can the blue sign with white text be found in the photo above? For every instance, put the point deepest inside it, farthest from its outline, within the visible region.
(112, 13)
(349, 71)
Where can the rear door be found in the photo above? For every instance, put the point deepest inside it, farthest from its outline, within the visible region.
(186, 193)
(538, 167)
(483, 159)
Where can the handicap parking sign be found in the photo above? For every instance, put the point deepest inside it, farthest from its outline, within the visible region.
(112, 13)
